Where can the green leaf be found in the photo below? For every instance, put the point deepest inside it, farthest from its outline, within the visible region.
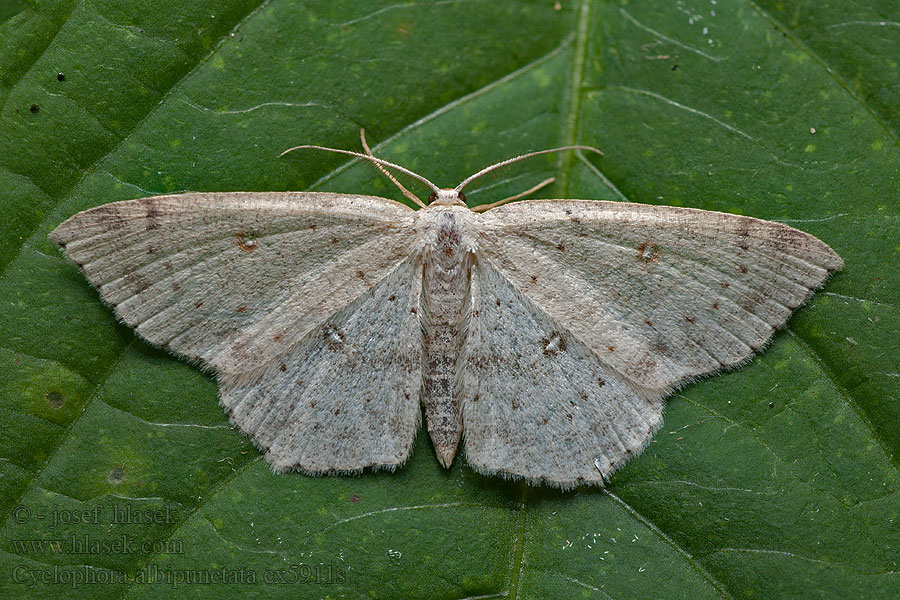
(119, 475)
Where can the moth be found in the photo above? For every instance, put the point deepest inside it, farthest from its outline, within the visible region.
(541, 335)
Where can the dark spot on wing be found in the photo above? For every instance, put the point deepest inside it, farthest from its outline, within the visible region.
(661, 348)
(600, 382)
(611, 348)
(553, 345)
(648, 322)
(751, 302)
(643, 367)
(275, 338)
(726, 285)
(360, 274)
(109, 217)
(334, 338)
(198, 304)
(138, 282)
(241, 309)
(391, 298)
(715, 306)
(534, 278)
(334, 240)
(689, 320)
(282, 367)
(514, 403)
(561, 247)
(152, 208)
(648, 252)
(498, 301)
(742, 269)
(245, 242)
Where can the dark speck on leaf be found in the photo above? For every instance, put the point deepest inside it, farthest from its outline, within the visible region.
(771, 405)
(674, 67)
(55, 399)
(354, 498)
(35, 108)
(117, 475)
(60, 76)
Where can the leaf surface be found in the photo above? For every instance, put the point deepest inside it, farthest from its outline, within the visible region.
(119, 474)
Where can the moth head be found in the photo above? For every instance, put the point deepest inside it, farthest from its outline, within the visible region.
(447, 197)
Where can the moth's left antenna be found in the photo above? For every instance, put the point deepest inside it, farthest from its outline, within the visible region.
(406, 192)
(378, 161)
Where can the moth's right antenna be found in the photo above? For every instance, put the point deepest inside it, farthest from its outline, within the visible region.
(503, 163)
(377, 161)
